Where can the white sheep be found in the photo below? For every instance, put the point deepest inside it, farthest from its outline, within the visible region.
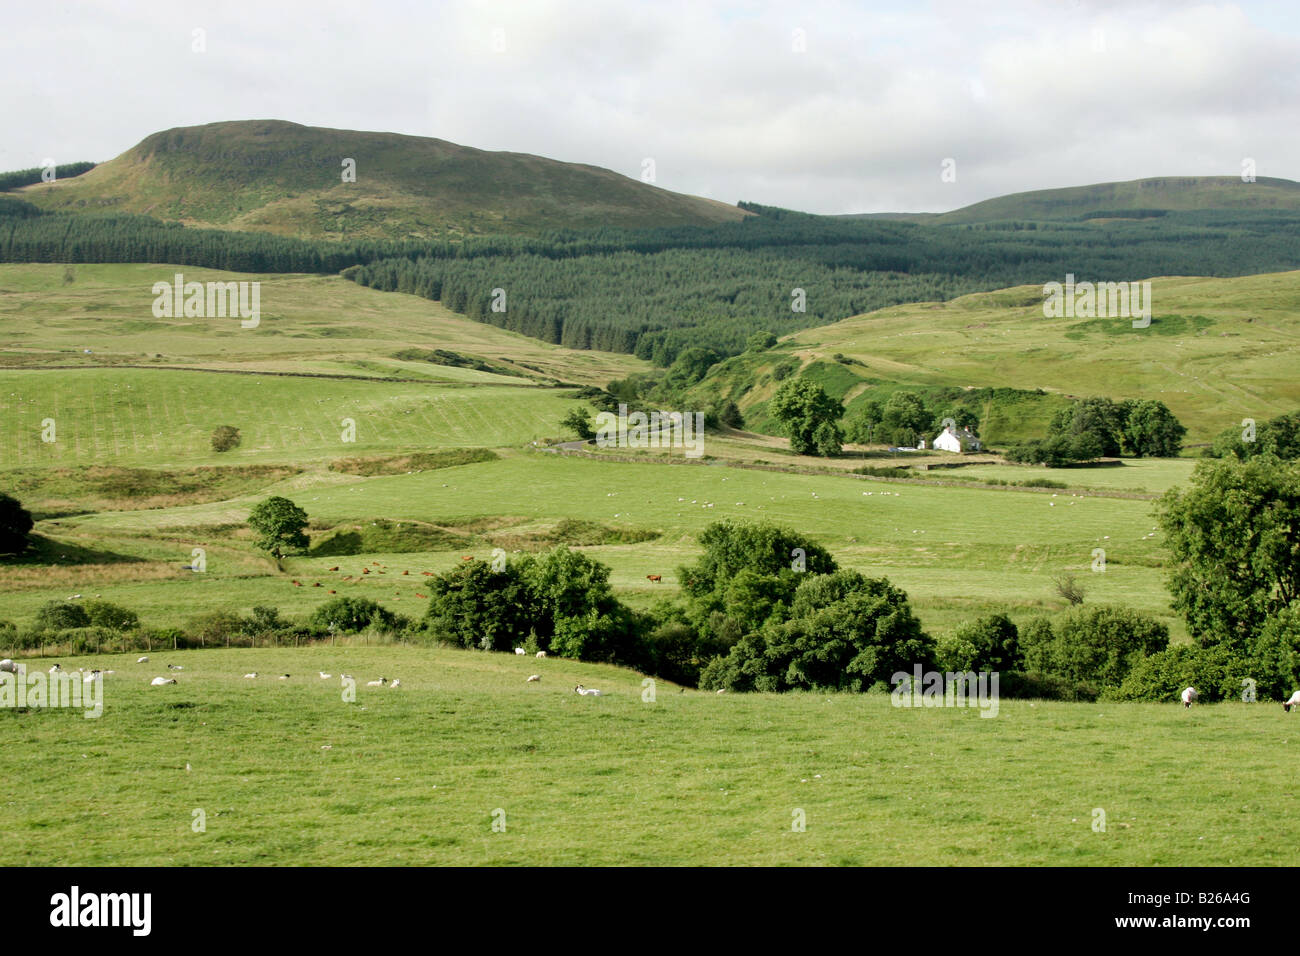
(91, 677)
(533, 678)
(377, 683)
(541, 653)
(396, 683)
(252, 676)
(1189, 696)
(9, 666)
(159, 681)
(520, 651)
(284, 677)
(142, 660)
(1293, 702)
(56, 669)
(324, 676)
(175, 667)
(586, 691)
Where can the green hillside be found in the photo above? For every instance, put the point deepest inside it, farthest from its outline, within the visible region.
(1217, 351)
(283, 178)
(1137, 199)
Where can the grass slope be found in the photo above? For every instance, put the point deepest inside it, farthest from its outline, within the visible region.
(1217, 350)
(280, 177)
(287, 773)
(50, 315)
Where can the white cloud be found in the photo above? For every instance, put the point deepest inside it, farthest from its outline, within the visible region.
(1026, 95)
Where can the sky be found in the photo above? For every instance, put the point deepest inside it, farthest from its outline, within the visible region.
(824, 106)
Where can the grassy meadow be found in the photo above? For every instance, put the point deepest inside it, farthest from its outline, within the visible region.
(288, 773)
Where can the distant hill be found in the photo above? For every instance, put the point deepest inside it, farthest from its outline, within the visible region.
(1138, 199)
(283, 178)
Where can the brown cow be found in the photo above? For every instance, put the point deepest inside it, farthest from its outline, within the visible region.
(655, 577)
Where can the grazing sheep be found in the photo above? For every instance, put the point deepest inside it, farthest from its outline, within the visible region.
(56, 669)
(533, 678)
(345, 677)
(284, 677)
(142, 660)
(91, 677)
(586, 691)
(396, 683)
(1293, 702)
(1189, 696)
(377, 683)
(175, 667)
(324, 676)
(541, 653)
(159, 681)
(252, 676)
(520, 651)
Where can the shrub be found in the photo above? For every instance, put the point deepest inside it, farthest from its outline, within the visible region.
(1097, 645)
(87, 640)
(352, 614)
(60, 616)
(225, 437)
(111, 616)
(987, 644)
(212, 627)
(1275, 654)
(1216, 673)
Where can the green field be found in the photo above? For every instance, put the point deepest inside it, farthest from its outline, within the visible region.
(413, 775)
(287, 773)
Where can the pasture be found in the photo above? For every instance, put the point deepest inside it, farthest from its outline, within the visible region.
(287, 773)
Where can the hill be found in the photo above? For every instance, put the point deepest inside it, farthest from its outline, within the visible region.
(1000, 340)
(283, 178)
(1137, 199)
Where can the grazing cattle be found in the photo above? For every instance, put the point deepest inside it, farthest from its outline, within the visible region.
(467, 557)
(654, 577)
(335, 568)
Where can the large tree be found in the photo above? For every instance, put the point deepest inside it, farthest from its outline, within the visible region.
(279, 524)
(843, 632)
(1099, 417)
(803, 408)
(1234, 535)
(1151, 430)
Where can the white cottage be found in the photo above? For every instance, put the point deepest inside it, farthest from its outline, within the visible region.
(957, 440)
